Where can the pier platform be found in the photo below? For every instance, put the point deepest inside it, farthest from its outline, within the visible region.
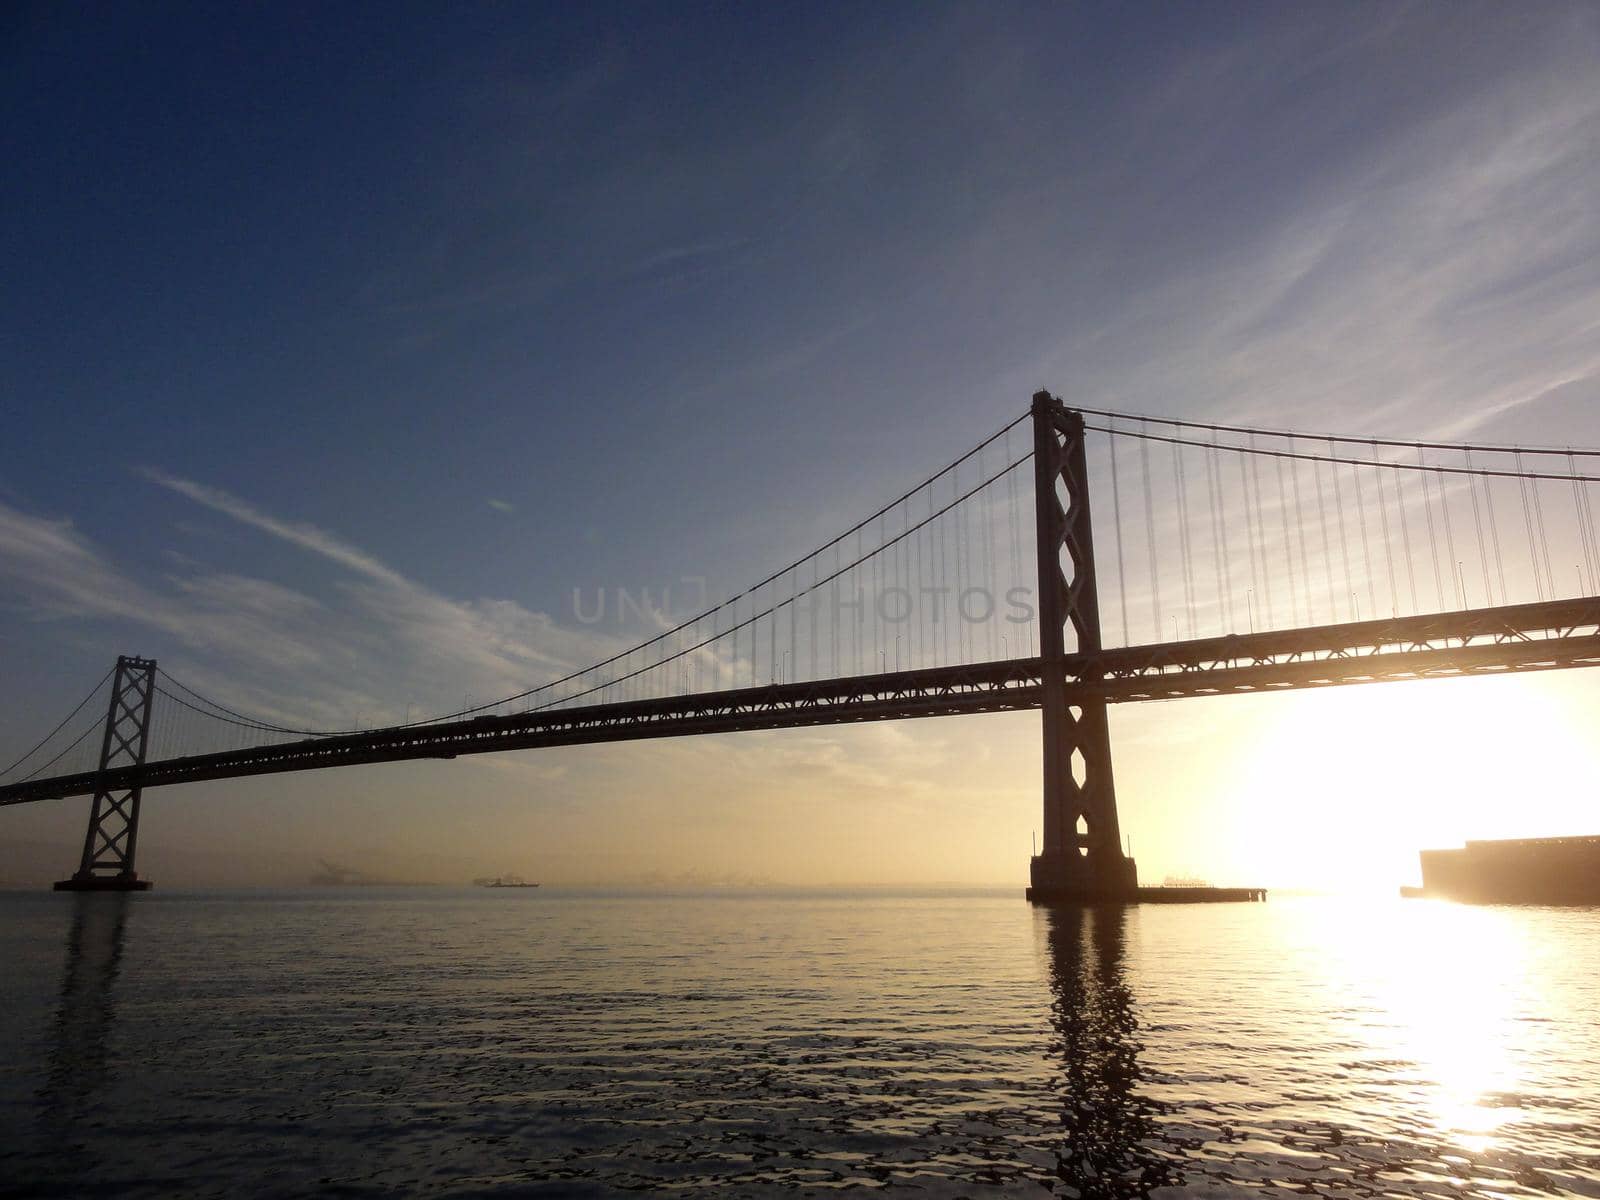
(1152, 895)
(102, 883)
(1197, 895)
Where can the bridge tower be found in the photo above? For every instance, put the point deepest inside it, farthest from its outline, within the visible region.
(113, 834)
(1082, 855)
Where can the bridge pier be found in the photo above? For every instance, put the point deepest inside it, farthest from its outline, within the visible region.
(113, 834)
(1082, 858)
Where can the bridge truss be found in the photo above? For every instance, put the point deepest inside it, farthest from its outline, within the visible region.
(1511, 640)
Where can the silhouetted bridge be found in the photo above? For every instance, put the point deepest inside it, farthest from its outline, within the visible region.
(1082, 855)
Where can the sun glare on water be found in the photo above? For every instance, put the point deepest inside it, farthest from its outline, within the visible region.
(1447, 984)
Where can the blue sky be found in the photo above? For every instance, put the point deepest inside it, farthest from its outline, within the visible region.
(341, 345)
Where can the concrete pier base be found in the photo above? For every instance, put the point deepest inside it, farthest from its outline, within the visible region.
(1149, 895)
(102, 883)
(1074, 878)
(1114, 879)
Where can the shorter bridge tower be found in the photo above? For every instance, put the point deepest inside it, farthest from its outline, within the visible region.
(113, 834)
(1082, 858)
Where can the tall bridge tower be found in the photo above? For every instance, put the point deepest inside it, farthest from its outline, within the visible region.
(113, 834)
(1082, 855)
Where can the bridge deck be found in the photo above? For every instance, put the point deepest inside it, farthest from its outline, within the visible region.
(1517, 638)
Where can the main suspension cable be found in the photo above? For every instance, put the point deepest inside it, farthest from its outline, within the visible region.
(37, 746)
(731, 603)
(1301, 435)
(751, 620)
(1437, 469)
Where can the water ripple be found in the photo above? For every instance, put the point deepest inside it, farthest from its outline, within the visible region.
(464, 1044)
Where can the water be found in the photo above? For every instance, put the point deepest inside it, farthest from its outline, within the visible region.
(456, 1043)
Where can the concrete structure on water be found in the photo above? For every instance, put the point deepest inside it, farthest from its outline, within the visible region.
(1559, 870)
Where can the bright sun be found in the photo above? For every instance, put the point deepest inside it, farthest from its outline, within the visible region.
(1346, 785)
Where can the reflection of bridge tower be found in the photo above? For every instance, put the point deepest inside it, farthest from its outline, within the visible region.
(1111, 1135)
(86, 1015)
(1082, 855)
(113, 834)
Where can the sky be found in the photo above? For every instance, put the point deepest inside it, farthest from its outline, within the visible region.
(338, 348)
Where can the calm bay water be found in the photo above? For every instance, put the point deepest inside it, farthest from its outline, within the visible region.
(382, 1042)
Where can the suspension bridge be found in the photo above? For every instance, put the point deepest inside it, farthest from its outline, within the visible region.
(1234, 560)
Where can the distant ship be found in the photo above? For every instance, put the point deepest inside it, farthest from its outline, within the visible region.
(1558, 870)
(502, 881)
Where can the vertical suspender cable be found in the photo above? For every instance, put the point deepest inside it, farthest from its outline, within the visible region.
(959, 530)
(1367, 549)
(877, 599)
(910, 560)
(1433, 539)
(916, 636)
(1544, 542)
(1388, 540)
(1261, 534)
(1405, 538)
(813, 650)
(1288, 541)
(1116, 521)
(1494, 535)
(1300, 535)
(1594, 539)
(1527, 522)
(1249, 535)
(903, 583)
(859, 624)
(936, 559)
(1477, 523)
(987, 527)
(914, 583)
(1344, 537)
(1150, 536)
(1585, 528)
(924, 563)
(1016, 537)
(960, 559)
(968, 575)
(1219, 546)
(832, 616)
(1327, 546)
(1184, 556)
(1452, 563)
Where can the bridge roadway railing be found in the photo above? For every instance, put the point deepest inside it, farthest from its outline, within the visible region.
(1516, 638)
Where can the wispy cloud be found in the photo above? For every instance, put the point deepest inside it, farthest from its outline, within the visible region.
(381, 642)
(53, 571)
(492, 646)
(307, 537)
